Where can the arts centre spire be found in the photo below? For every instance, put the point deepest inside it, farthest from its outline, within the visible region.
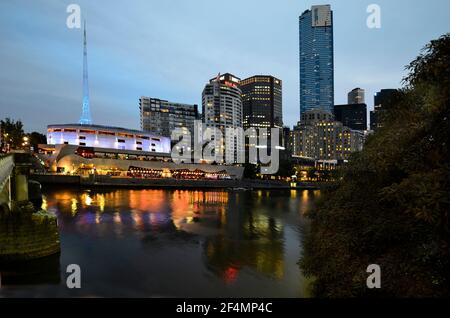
(86, 118)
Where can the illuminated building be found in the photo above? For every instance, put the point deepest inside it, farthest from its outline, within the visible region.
(222, 109)
(161, 117)
(320, 137)
(123, 163)
(262, 103)
(106, 137)
(316, 59)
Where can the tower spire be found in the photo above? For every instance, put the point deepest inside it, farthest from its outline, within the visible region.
(86, 118)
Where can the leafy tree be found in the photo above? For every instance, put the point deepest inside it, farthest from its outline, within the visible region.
(11, 133)
(250, 171)
(312, 174)
(36, 139)
(286, 168)
(392, 205)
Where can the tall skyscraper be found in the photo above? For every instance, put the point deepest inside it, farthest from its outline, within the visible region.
(356, 96)
(86, 118)
(262, 102)
(316, 59)
(222, 109)
(162, 117)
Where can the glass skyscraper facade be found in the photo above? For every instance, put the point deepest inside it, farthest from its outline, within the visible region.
(316, 59)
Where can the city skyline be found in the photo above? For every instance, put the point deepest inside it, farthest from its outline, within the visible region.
(128, 58)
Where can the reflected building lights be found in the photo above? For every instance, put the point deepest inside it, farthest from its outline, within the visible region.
(74, 206)
(101, 202)
(86, 198)
(44, 205)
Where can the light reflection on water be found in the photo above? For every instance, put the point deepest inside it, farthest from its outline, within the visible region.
(179, 243)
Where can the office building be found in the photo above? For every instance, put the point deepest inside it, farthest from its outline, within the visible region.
(356, 96)
(262, 102)
(162, 117)
(353, 116)
(318, 136)
(262, 105)
(316, 59)
(222, 109)
(380, 99)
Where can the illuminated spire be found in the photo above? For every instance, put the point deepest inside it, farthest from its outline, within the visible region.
(86, 118)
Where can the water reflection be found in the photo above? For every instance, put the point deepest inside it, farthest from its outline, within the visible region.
(166, 241)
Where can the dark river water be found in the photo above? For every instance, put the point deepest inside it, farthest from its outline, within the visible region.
(172, 243)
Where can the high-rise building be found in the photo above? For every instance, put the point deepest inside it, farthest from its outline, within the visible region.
(356, 96)
(262, 105)
(381, 98)
(316, 59)
(85, 118)
(161, 117)
(353, 116)
(318, 136)
(222, 109)
(262, 102)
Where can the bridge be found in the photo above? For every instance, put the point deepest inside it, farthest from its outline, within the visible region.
(26, 232)
(14, 171)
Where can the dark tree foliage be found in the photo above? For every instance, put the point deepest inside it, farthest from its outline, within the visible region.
(392, 205)
(36, 139)
(250, 171)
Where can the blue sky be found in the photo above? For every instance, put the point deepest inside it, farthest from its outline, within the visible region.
(169, 49)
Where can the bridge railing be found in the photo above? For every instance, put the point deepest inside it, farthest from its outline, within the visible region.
(6, 168)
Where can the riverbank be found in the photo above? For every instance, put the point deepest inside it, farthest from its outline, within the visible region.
(170, 183)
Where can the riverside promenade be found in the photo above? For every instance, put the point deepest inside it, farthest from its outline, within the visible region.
(120, 182)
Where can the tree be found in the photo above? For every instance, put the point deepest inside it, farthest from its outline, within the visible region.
(392, 204)
(250, 171)
(286, 167)
(36, 138)
(312, 174)
(11, 134)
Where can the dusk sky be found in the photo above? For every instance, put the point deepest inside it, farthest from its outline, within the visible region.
(170, 49)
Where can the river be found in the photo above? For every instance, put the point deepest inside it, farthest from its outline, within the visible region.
(172, 243)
